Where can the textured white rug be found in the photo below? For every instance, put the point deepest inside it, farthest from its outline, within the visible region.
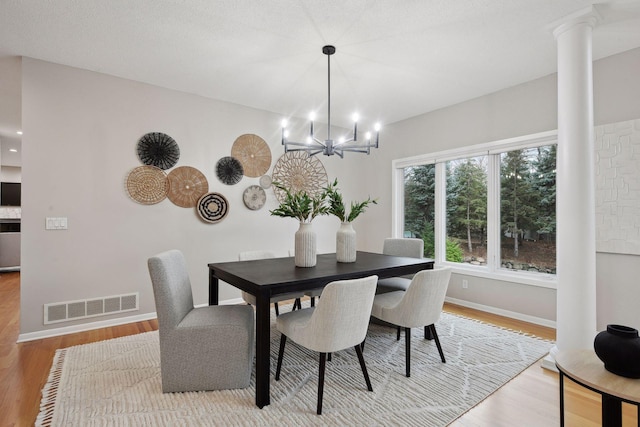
(117, 382)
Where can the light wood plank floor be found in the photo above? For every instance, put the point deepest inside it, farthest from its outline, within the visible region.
(530, 399)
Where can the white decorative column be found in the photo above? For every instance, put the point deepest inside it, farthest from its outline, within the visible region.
(575, 202)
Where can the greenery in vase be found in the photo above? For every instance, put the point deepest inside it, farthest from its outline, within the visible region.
(337, 206)
(301, 205)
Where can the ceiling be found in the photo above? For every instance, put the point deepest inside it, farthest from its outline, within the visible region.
(394, 60)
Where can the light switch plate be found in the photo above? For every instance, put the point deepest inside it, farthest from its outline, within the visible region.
(56, 223)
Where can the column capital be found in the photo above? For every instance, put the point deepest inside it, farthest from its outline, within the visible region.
(587, 16)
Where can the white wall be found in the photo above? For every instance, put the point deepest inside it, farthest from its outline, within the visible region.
(80, 134)
(521, 110)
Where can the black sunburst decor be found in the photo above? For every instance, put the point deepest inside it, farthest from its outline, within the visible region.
(159, 150)
(229, 170)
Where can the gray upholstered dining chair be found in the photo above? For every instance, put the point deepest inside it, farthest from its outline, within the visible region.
(338, 321)
(420, 305)
(203, 348)
(405, 247)
(251, 299)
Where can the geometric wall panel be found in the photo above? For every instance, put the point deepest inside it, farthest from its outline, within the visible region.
(617, 187)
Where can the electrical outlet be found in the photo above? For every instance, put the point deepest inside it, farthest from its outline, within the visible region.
(465, 284)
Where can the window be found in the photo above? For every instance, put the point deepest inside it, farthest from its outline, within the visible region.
(528, 209)
(488, 209)
(467, 210)
(419, 205)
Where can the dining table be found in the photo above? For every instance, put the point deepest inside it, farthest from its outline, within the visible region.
(266, 278)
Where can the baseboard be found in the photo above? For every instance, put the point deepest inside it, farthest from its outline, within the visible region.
(49, 333)
(506, 313)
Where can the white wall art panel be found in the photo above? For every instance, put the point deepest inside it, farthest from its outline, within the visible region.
(618, 187)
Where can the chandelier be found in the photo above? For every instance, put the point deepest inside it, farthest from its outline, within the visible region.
(329, 147)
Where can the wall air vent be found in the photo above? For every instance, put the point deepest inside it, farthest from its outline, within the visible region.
(81, 309)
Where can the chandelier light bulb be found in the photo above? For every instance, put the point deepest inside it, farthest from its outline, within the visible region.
(355, 117)
(312, 116)
(367, 136)
(284, 123)
(377, 127)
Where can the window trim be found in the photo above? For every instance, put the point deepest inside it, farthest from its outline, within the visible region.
(491, 149)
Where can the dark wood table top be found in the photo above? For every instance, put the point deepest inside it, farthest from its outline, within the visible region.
(280, 275)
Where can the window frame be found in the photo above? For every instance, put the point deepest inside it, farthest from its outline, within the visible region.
(492, 269)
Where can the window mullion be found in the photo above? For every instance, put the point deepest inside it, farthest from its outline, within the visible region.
(440, 213)
(493, 212)
(397, 203)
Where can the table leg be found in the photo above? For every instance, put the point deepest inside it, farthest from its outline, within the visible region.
(263, 352)
(561, 399)
(611, 411)
(213, 288)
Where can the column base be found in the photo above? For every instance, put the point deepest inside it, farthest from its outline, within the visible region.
(549, 362)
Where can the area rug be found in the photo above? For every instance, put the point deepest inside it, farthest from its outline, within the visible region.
(117, 382)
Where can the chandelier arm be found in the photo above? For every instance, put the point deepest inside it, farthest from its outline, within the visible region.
(339, 152)
(310, 150)
(303, 144)
(357, 149)
(297, 144)
(319, 142)
(342, 143)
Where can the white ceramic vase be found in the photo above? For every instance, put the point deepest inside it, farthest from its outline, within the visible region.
(346, 243)
(305, 246)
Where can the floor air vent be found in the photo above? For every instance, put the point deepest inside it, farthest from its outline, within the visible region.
(80, 309)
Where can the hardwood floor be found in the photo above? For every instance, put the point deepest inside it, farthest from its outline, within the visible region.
(530, 399)
(24, 367)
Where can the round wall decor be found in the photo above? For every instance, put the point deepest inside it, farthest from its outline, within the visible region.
(158, 149)
(297, 171)
(147, 185)
(253, 153)
(254, 197)
(186, 186)
(212, 207)
(265, 181)
(229, 170)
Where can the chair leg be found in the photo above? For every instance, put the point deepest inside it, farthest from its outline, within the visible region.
(432, 328)
(329, 357)
(297, 304)
(427, 333)
(398, 334)
(283, 341)
(313, 301)
(364, 367)
(407, 340)
(275, 305)
(323, 361)
(362, 344)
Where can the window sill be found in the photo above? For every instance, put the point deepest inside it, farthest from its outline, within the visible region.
(525, 278)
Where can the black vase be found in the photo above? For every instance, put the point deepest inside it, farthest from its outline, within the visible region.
(619, 348)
